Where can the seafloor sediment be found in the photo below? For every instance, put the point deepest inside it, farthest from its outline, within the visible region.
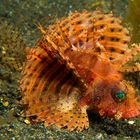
(18, 29)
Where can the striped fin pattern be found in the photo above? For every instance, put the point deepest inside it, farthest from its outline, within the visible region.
(46, 79)
(45, 73)
(59, 70)
(88, 30)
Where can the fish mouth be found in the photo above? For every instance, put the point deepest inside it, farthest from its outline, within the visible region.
(119, 113)
(131, 112)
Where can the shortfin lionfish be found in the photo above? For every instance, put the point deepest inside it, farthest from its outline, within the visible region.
(79, 64)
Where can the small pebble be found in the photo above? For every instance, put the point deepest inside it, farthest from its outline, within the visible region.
(99, 136)
(131, 122)
(27, 121)
(6, 103)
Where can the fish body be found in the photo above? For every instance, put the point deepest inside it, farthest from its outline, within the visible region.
(77, 65)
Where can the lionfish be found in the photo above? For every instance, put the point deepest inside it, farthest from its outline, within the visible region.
(79, 65)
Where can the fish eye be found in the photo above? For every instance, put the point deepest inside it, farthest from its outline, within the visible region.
(119, 96)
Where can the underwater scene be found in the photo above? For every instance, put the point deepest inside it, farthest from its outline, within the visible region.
(69, 70)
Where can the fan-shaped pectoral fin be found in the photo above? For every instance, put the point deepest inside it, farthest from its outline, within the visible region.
(55, 53)
(73, 119)
(48, 93)
(67, 113)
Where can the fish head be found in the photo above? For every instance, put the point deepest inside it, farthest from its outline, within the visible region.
(115, 99)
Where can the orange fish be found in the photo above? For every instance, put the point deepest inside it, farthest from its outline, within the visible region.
(78, 65)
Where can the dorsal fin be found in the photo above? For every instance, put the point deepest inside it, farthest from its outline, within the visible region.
(52, 50)
(130, 53)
